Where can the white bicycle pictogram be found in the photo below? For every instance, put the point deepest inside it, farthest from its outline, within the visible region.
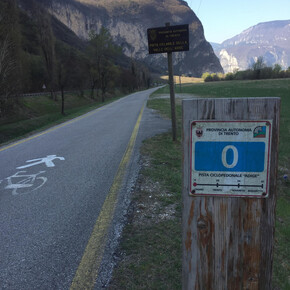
(26, 182)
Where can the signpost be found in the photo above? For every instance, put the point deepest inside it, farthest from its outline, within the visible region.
(169, 39)
(229, 192)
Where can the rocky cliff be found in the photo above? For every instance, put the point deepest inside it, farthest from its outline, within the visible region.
(128, 20)
(271, 40)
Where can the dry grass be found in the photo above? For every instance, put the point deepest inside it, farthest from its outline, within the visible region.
(184, 80)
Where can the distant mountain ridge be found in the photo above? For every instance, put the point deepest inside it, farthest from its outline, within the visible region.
(271, 40)
(128, 20)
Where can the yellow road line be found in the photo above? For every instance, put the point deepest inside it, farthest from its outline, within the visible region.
(87, 271)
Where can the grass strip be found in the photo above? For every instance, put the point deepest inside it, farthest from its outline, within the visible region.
(35, 114)
(151, 247)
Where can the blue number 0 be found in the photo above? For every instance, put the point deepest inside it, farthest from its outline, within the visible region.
(229, 156)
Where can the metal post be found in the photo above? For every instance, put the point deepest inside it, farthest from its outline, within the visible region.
(172, 95)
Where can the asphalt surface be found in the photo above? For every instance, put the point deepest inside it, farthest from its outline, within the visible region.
(53, 186)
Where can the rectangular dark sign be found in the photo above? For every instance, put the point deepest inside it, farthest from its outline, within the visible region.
(168, 39)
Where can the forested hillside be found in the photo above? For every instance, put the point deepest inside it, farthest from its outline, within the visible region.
(37, 53)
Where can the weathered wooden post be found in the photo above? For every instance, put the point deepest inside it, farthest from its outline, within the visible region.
(229, 192)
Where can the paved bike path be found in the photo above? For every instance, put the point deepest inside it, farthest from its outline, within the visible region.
(52, 190)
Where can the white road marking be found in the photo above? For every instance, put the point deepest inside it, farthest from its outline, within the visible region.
(47, 160)
(25, 181)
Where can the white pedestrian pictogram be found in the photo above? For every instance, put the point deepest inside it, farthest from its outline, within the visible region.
(47, 160)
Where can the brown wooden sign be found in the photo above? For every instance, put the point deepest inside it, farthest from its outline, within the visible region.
(168, 39)
(228, 242)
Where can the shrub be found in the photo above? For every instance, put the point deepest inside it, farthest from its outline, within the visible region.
(244, 75)
(267, 73)
(208, 78)
(215, 77)
(205, 75)
(229, 77)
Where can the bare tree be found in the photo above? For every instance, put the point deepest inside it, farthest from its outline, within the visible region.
(258, 66)
(9, 53)
(7, 68)
(102, 51)
(47, 44)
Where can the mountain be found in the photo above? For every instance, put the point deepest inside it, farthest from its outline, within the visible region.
(128, 21)
(215, 45)
(271, 40)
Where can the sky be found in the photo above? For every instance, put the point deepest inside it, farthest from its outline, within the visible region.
(223, 19)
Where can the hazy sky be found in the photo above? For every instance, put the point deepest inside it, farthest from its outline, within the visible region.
(223, 19)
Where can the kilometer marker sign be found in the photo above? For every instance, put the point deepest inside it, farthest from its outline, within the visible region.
(230, 158)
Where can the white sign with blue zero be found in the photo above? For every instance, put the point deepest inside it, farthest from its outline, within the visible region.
(230, 158)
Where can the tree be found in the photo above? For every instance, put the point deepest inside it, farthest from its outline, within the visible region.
(78, 75)
(63, 69)
(47, 44)
(146, 77)
(102, 51)
(205, 75)
(7, 68)
(258, 66)
(69, 73)
(277, 70)
(10, 69)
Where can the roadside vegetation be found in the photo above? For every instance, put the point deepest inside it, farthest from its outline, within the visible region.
(37, 113)
(150, 253)
(70, 76)
(39, 54)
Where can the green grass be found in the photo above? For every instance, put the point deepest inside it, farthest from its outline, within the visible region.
(154, 263)
(165, 164)
(282, 236)
(32, 114)
(153, 251)
(250, 89)
(234, 89)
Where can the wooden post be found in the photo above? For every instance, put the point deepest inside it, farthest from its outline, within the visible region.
(172, 95)
(228, 241)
